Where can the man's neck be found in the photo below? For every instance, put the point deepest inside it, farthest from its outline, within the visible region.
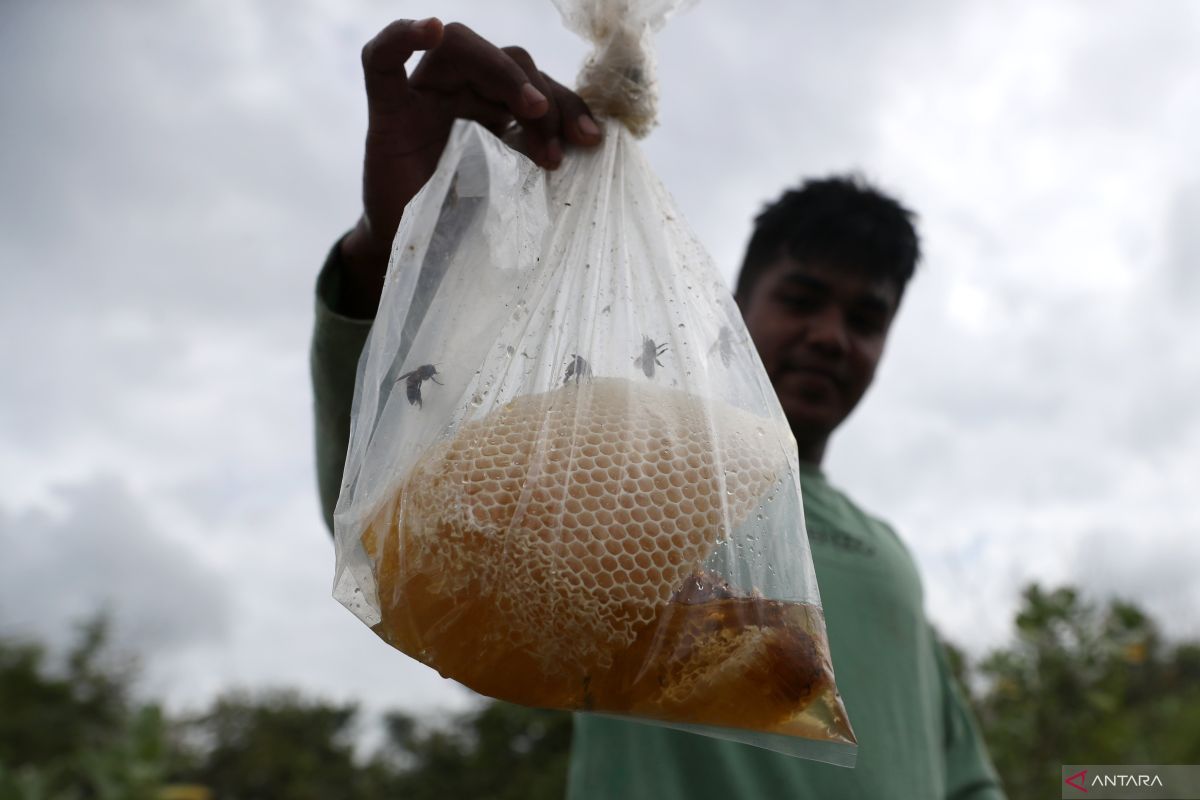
(811, 451)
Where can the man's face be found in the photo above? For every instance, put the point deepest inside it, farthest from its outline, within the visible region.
(820, 331)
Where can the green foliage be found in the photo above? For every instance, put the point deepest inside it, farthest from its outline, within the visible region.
(276, 745)
(279, 745)
(1086, 684)
(500, 752)
(1080, 683)
(46, 715)
(75, 734)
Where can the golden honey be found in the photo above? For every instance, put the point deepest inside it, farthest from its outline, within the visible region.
(541, 555)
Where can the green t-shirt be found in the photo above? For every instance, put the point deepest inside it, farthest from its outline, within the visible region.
(916, 736)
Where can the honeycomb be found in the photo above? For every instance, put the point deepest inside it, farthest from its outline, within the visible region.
(745, 662)
(522, 553)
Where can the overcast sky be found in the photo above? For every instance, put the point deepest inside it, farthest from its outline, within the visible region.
(172, 174)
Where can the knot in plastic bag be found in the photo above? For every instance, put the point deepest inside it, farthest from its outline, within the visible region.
(618, 80)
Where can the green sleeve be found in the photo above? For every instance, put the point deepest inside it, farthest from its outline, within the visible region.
(969, 771)
(337, 342)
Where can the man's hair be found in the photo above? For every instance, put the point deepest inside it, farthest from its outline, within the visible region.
(840, 221)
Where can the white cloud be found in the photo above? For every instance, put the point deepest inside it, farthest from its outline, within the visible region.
(100, 552)
(175, 173)
(1183, 260)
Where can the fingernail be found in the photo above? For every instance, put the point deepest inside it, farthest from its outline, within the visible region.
(425, 24)
(588, 126)
(554, 151)
(531, 95)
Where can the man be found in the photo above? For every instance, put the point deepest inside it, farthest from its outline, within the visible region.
(821, 282)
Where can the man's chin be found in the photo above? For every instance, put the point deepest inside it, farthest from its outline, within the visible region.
(811, 421)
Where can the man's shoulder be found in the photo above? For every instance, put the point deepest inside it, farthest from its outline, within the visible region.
(829, 507)
(853, 543)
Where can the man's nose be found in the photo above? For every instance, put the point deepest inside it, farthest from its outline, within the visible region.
(827, 332)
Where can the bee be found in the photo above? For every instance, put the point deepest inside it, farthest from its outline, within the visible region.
(577, 368)
(723, 345)
(414, 379)
(649, 356)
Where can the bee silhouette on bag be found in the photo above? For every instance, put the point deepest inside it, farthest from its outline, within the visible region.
(723, 346)
(649, 357)
(414, 379)
(577, 369)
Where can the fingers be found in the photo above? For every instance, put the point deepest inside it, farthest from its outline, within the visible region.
(543, 131)
(569, 121)
(468, 105)
(464, 75)
(491, 85)
(466, 61)
(384, 57)
(577, 123)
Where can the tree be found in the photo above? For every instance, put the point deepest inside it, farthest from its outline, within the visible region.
(76, 734)
(1080, 683)
(276, 745)
(498, 752)
(1085, 683)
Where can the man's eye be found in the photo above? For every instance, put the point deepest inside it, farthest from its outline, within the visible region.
(867, 322)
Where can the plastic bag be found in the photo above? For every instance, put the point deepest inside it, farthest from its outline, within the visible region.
(569, 481)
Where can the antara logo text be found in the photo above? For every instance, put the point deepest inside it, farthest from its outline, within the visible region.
(1126, 780)
(1079, 780)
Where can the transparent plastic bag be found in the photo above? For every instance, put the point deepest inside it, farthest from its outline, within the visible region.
(569, 482)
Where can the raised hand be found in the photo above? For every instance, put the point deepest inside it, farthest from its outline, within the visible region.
(460, 75)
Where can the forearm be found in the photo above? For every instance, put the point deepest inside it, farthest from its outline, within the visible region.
(337, 340)
(409, 117)
(362, 267)
(390, 182)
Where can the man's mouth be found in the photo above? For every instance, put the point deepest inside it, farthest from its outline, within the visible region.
(810, 371)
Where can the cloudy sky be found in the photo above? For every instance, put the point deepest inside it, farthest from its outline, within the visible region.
(172, 174)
